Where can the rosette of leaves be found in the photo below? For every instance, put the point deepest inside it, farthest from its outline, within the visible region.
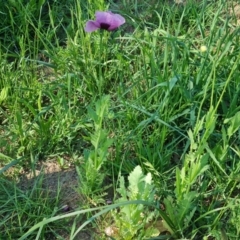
(133, 221)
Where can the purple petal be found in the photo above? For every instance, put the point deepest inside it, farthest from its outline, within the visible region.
(104, 17)
(109, 20)
(117, 21)
(91, 26)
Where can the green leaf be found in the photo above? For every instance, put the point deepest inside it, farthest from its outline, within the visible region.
(122, 189)
(135, 177)
(3, 94)
(234, 123)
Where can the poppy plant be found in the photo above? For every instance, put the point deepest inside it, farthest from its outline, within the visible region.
(105, 20)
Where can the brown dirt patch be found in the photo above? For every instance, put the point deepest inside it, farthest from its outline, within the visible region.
(235, 11)
(54, 178)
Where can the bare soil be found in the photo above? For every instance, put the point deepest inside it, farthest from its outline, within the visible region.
(54, 178)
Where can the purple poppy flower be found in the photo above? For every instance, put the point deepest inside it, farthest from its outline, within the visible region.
(105, 20)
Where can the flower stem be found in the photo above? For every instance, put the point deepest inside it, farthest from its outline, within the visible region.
(100, 70)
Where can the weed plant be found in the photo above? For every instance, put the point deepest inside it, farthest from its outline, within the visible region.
(157, 99)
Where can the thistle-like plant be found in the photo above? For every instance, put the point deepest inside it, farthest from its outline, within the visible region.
(132, 221)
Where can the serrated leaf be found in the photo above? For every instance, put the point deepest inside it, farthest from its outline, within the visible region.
(134, 179)
(135, 175)
(148, 179)
(102, 106)
(92, 114)
(122, 189)
(185, 206)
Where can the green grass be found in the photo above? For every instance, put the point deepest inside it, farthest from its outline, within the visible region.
(107, 102)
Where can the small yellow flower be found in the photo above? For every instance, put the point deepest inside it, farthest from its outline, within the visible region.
(203, 48)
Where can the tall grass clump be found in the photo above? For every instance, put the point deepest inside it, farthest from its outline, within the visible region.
(148, 114)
